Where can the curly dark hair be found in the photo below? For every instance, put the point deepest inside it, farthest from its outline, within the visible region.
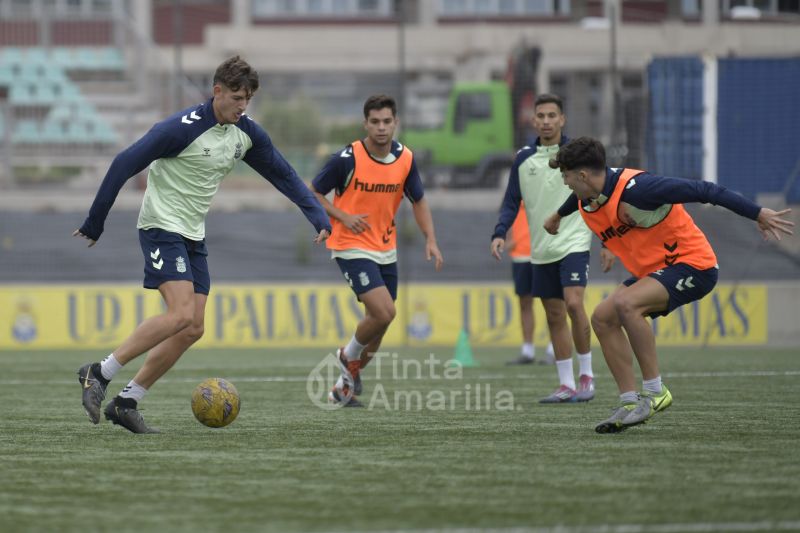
(583, 152)
(235, 73)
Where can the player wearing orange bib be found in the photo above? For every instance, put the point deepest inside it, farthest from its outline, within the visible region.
(639, 218)
(370, 178)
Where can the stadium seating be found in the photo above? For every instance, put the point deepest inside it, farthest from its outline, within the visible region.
(52, 107)
(26, 132)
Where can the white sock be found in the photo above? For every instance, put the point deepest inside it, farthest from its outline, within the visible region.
(652, 385)
(133, 390)
(109, 366)
(353, 349)
(585, 364)
(565, 373)
(527, 350)
(629, 397)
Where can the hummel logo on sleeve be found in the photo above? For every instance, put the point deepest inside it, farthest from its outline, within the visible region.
(347, 152)
(185, 118)
(631, 183)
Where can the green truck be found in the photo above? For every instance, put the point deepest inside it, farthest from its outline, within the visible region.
(484, 124)
(474, 147)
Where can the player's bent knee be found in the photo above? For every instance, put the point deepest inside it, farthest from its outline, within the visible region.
(182, 320)
(624, 306)
(386, 315)
(391, 313)
(194, 332)
(604, 320)
(599, 324)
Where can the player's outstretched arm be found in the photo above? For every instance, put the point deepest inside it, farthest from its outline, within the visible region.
(355, 223)
(154, 144)
(770, 223)
(422, 214)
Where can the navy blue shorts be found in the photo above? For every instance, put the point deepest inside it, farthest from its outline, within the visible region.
(365, 274)
(684, 284)
(550, 279)
(169, 256)
(523, 278)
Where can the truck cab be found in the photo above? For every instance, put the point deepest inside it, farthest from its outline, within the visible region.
(474, 146)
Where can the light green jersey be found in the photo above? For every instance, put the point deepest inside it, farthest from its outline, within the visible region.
(543, 192)
(180, 188)
(189, 153)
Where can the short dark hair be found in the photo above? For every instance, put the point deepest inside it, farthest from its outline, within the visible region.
(380, 101)
(235, 73)
(548, 98)
(583, 152)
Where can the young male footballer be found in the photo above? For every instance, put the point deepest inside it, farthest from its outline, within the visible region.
(640, 219)
(559, 264)
(369, 178)
(188, 154)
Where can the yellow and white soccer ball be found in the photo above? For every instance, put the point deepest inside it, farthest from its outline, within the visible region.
(215, 402)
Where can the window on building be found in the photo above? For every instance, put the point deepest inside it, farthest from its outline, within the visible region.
(690, 8)
(266, 9)
(286, 6)
(340, 7)
(504, 8)
(368, 6)
(453, 7)
(507, 7)
(101, 6)
(765, 7)
(538, 7)
(20, 7)
(485, 7)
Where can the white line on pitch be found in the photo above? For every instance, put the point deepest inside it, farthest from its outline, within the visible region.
(414, 377)
(697, 527)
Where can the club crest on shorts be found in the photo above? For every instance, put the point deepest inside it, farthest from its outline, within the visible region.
(180, 264)
(363, 279)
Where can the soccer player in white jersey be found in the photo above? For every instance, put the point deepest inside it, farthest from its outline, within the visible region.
(189, 154)
(560, 262)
